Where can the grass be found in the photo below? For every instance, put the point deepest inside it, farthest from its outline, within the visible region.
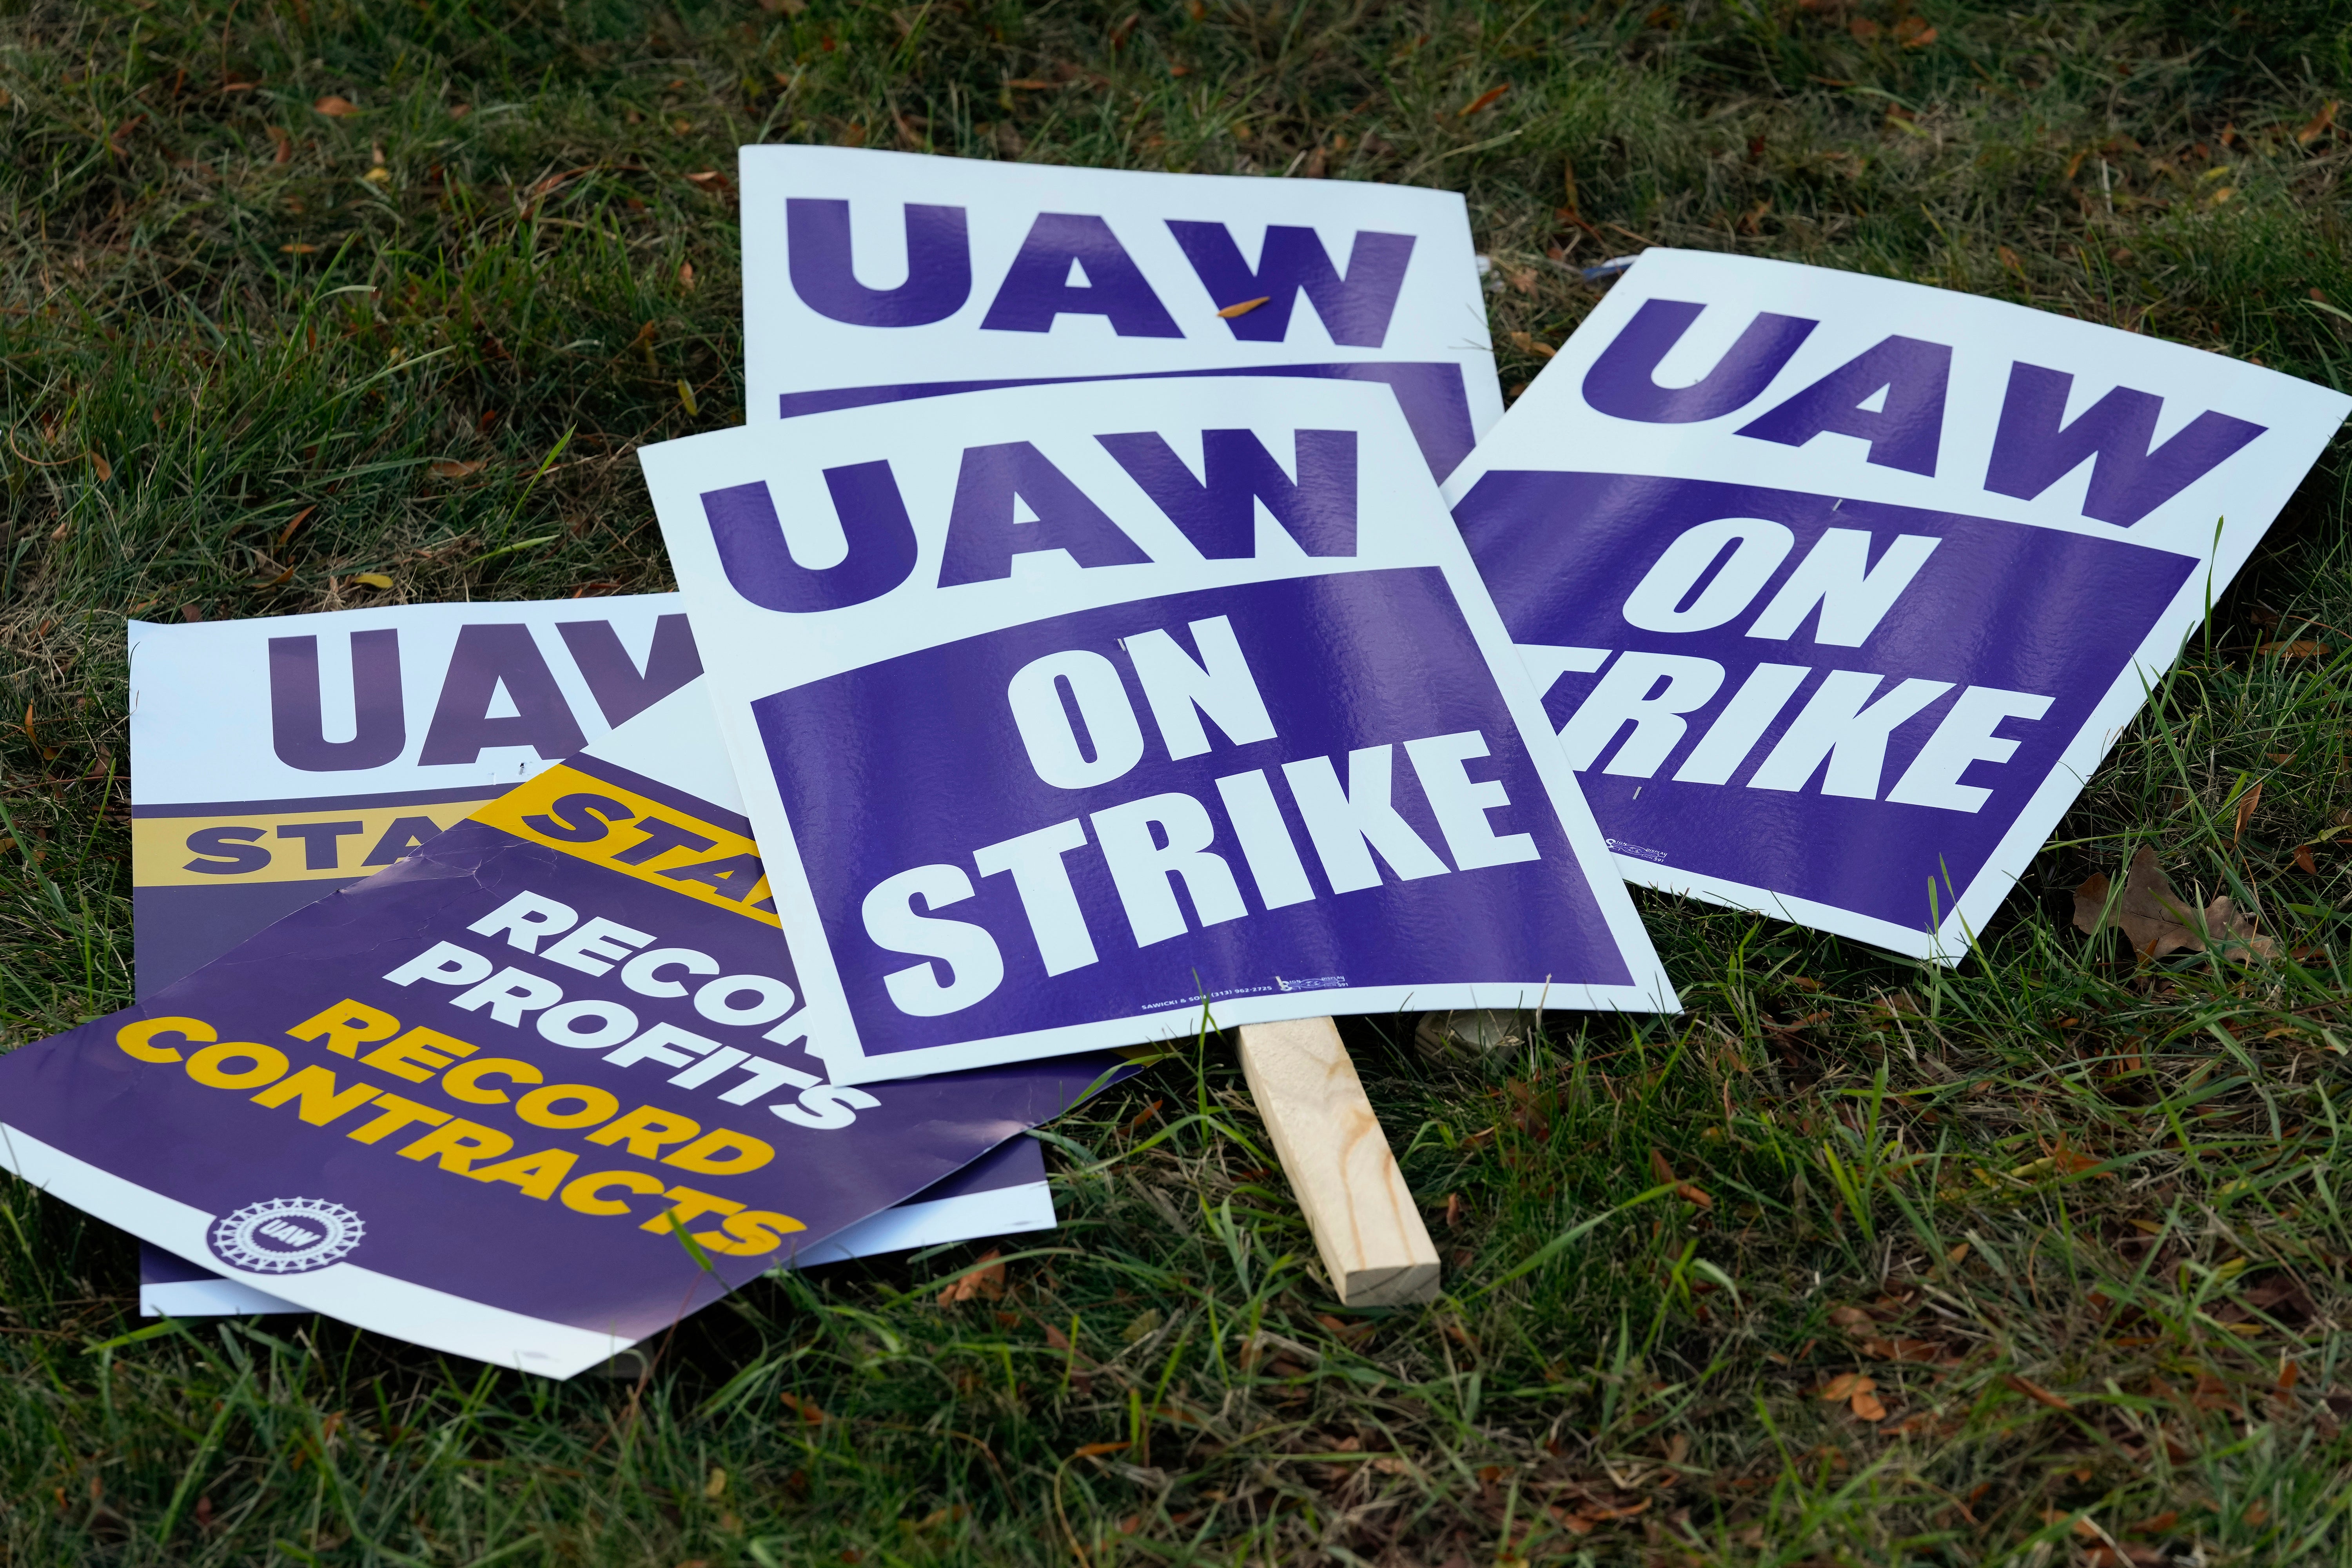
(2078, 1220)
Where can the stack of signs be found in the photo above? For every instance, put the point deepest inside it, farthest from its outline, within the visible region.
(1137, 681)
(565, 1022)
(273, 761)
(1839, 588)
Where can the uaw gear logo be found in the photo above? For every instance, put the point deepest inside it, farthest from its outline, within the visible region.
(287, 1236)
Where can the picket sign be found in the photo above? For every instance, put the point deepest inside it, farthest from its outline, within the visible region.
(1840, 587)
(1061, 718)
(872, 276)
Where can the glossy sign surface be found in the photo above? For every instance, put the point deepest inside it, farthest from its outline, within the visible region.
(1119, 702)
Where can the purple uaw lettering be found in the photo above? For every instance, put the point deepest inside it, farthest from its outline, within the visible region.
(749, 539)
(2034, 448)
(1218, 511)
(818, 258)
(1038, 289)
(1354, 306)
(297, 725)
(623, 691)
(1623, 380)
(1906, 377)
(985, 530)
(502, 657)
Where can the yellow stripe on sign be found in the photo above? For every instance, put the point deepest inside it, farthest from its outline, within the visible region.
(282, 845)
(638, 836)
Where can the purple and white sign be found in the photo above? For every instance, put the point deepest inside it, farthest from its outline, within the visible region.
(531, 1094)
(1073, 716)
(872, 276)
(274, 761)
(1837, 588)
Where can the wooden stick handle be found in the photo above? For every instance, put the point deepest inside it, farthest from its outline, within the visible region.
(1362, 1216)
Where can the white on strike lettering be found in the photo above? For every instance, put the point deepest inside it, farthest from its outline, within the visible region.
(1835, 724)
(1629, 693)
(1342, 822)
(1965, 736)
(1742, 723)
(1152, 843)
(1854, 595)
(1038, 712)
(1758, 546)
(975, 967)
(1042, 880)
(1181, 689)
(1152, 846)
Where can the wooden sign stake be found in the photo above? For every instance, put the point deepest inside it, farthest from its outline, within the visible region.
(1363, 1217)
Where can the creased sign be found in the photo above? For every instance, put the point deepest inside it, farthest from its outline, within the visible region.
(1839, 588)
(872, 276)
(529, 1095)
(1065, 721)
(274, 761)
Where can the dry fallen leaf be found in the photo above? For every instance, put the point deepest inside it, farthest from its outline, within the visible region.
(372, 579)
(1866, 1405)
(686, 275)
(1483, 100)
(298, 249)
(2036, 1392)
(105, 469)
(2318, 125)
(2304, 862)
(2302, 649)
(985, 1283)
(2156, 920)
(336, 108)
(805, 1409)
(2247, 804)
(455, 468)
(1846, 1384)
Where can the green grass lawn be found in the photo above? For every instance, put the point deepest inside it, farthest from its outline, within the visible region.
(295, 293)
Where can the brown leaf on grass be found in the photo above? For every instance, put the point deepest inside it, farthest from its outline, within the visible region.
(2036, 1392)
(1852, 1319)
(685, 276)
(805, 1409)
(372, 579)
(1913, 33)
(1927, 1351)
(1862, 28)
(1866, 1405)
(104, 470)
(335, 107)
(713, 180)
(1095, 1450)
(284, 142)
(455, 468)
(1845, 1386)
(1483, 100)
(2247, 804)
(2156, 920)
(298, 249)
(985, 1283)
(2302, 648)
(2317, 125)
